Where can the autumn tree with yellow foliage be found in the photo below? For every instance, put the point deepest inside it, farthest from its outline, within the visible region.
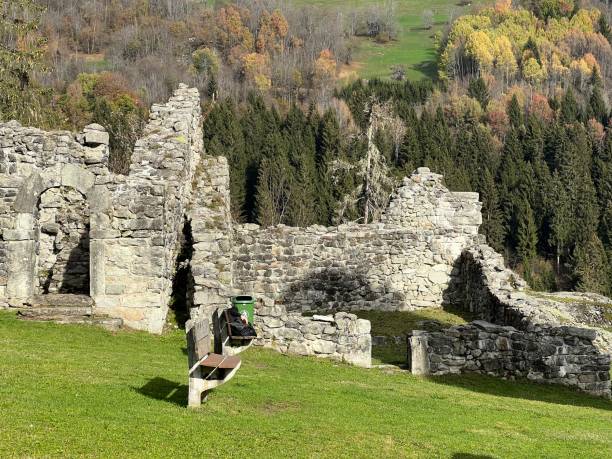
(546, 44)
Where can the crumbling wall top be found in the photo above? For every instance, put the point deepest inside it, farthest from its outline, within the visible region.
(423, 202)
(172, 131)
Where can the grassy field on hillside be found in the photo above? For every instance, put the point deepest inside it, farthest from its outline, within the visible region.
(414, 47)
(69, 391)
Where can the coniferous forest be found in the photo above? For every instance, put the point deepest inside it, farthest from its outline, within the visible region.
(519, 111)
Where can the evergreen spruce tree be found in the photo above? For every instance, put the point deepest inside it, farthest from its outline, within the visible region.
(478, 90)
(509, 179)
(302, 206)
(223, 137)
(569, 111)
(541, 199)
(212, 87)
(347, 181)
(274, 188)
(267, 209)
(561, 226)
(514, 112)
(533, 139)
(604, 27)
(597, 107)
(410, 156)
(492, 219)
(258, 126)
(591, 268)
(437, 146)
(527, 236)
(299, 137)
(329, 147)
(605, 228)
(602, 170)
(532, 46)
(555, 140)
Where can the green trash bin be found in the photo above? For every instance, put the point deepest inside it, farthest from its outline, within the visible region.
(245, 303)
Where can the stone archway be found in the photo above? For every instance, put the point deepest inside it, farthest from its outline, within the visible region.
(63, 242)
(22, 240)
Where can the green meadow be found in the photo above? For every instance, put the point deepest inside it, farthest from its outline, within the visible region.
(78, 391)
(414, 46)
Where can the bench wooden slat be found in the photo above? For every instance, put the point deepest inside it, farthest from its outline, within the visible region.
(220, 361)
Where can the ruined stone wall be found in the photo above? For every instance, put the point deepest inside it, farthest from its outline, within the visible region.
(556, 355)
(211, 224)
(31, 162)
(67, 222)
(137, 220)
(342, 337)
(422, 202)
(405, 262)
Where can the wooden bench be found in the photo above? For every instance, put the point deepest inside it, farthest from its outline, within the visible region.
(206, 370)
(225, 342)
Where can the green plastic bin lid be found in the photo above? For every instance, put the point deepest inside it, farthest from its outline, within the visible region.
(243, 299)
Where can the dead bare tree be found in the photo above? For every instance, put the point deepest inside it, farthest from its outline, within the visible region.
(374, 179)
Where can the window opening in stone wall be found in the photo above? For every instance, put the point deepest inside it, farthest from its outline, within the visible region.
(63, 243)
(183, 283)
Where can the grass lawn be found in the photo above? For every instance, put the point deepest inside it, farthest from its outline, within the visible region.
(69, 391)
(414, 47)
(400, 323)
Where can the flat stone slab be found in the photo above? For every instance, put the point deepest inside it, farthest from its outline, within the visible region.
(55, 313)
(320, 318)
(109, 323)
(59, 300)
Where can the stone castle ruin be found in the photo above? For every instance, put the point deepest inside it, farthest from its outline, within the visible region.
(74, 235)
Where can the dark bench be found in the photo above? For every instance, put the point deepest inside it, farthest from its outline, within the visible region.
(206, 370)
(225, 341)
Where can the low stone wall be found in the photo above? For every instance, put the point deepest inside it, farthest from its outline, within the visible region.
(341, 337)
(484, 287)
(556, 355)
(404, 262)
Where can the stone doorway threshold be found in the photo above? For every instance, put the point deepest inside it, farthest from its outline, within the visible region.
(65, 309)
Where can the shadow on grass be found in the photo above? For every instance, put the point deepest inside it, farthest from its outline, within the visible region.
(165, 390)
(389, 354)
(429, 68)
(523, 389)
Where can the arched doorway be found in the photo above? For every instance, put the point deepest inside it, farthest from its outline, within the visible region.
(63, 242)
(48, 247)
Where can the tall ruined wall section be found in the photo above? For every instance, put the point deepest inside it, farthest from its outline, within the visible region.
(112, 236)
(405, 262)
(211, 225)
(137, 220)
(34, 162)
